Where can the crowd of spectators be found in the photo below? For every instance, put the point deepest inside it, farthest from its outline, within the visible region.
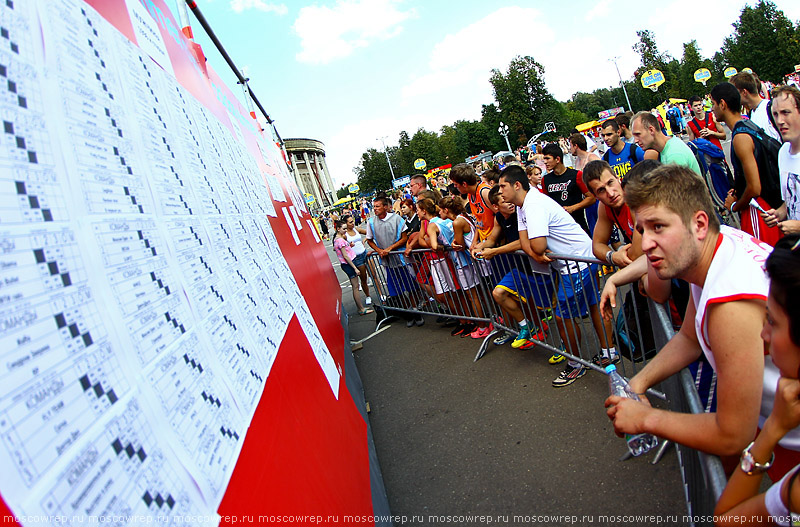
(636, 196)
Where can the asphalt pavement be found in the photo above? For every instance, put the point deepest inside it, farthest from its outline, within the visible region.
(492, 442)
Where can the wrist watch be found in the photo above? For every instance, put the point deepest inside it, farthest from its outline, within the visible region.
(749, 465)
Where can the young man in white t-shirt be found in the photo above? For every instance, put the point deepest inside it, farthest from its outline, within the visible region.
(786, 112)
(682, 238)
(545, 227)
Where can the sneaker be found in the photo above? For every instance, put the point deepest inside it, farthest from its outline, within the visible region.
(555, 358)
(441, 319)
(504, 338)
(602, 360)
(419, 321)
(523, 340)
(410, 323)
(368, 301)
(468, 329)
(568, 376)
(458, 330)
(450, 323)
(481, 333)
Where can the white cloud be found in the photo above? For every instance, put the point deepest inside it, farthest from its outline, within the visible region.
(244, 5)
(330, 33)
(600, 9)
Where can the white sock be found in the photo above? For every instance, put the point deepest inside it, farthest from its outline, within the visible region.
(523, 323)
(612, 351)
(574, 364)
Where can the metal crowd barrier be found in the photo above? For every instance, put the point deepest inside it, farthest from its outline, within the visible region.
(444, 284)
(703, 475)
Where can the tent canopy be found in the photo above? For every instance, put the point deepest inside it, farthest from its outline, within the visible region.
(587, 126)
(343, 200)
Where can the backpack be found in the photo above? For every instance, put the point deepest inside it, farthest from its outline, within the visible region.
(713, 168)
(766, 149)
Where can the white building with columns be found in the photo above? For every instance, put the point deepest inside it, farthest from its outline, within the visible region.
(310, 170)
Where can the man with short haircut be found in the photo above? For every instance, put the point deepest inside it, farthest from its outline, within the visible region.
(386, 232)
(647, 133)
(545, 226)
(565, 186)
(682, 238)
(578, 151)
(620, 154)
(749, 91)
(703, 124)
(623, 120)
(591, 146)
(750, 169)
(466, 181)
(417, 184)
(786, 112)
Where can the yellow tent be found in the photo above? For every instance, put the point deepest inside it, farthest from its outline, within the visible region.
(343, 200)
(677, 101)
(587, 126)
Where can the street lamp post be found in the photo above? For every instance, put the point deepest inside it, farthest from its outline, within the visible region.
(387, 158)
(614, 60)
(503, 130)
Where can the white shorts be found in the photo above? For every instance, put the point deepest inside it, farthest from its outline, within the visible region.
(467, 277)
(442, 276)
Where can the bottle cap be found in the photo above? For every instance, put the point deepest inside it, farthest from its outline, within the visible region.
(610, 368)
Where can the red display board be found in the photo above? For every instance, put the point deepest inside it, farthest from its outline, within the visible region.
(107, 212)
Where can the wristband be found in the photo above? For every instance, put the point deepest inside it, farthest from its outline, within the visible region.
(609, 256)
(732, 205)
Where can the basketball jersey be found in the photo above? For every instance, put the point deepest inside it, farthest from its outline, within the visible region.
(484, 216)
(736, 273)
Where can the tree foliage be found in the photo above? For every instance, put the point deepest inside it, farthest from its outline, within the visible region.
(765, 40)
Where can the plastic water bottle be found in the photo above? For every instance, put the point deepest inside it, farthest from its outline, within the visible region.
(640, 443)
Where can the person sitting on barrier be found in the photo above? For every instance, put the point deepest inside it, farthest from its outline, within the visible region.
(545, 227)
(386, 232)
(516, 286)
(346, 254)
(466, 269)
(682, 238)
(781, 333)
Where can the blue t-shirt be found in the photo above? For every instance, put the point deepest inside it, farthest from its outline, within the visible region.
(624, 161)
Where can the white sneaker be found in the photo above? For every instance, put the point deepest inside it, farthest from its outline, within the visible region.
(368, 301)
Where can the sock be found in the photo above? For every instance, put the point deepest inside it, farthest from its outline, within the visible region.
(604, 352)
(575, 364)
(523, 323)
(612, 351)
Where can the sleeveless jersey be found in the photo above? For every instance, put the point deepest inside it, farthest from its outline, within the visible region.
(484, 217)
(446, 237)
(736, 273)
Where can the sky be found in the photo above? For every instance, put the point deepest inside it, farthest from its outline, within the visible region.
(354, 73)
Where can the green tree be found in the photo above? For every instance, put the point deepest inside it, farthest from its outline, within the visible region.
(405, 156)
(373, 171)
(471, 137)
(522, 97)
(651, 58)
(765, 40)
(490, 118)
(448, 147)
(342, 192)
(425, 145)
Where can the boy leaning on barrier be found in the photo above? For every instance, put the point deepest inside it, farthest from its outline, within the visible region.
(544, 227)
(515, 286)
(682, 238)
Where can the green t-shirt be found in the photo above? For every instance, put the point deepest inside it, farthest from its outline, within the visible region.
(676, 151)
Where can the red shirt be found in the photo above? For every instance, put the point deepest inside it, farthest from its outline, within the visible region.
(709, 123)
